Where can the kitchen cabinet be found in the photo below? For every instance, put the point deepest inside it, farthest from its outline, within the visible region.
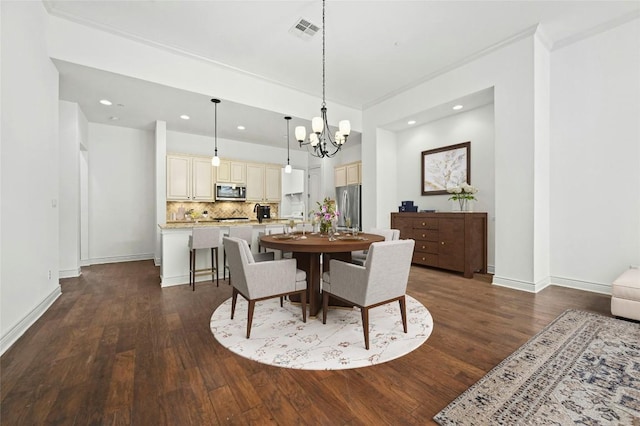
(255, 182)
(263, 182)
(272, 183)
(353, 173)
(348, 174)
(452, 241)
(189, 178)
(230, 171)
(340, 176)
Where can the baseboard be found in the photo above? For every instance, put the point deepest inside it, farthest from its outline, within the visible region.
(69, 273)
(157, 261)
(117, 259)
(582, 285)
(521, 285)
(11, 336)
(491, 269)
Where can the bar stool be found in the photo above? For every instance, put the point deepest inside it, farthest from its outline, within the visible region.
(242, 232)
(203, 238)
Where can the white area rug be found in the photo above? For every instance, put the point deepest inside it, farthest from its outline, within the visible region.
(280, 338)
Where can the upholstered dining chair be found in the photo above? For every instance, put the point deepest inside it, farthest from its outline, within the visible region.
(358, 257)
(256, 281)
(203, 238)
(242, 232)
(382, 280)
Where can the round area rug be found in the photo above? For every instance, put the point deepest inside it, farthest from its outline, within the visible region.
(280, 338)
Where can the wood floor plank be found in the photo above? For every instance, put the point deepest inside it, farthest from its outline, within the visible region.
(116, 348)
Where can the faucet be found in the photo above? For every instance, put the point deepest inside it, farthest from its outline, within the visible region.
(258, 212)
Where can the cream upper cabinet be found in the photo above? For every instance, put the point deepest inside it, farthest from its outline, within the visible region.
(189, 178)
(202, 179)
(223, 171)
(272, 183)
(231, 172)
(255, 182)
(353, 176)
(263, 182)
(340, 176)
(348, 174)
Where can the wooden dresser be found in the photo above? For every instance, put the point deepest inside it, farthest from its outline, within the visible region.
(453, 241)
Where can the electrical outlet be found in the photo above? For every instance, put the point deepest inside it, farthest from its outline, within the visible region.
(49, 273)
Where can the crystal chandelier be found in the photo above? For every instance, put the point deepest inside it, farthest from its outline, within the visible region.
(320, 141)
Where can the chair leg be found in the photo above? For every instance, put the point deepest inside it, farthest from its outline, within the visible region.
(281, 301)
(303, 302)
(224, 264)
(234, 298)
(365, 325)
(193, 270)
(190, 265)
(403, 312)
(252, 305)
(217, 269)
(325, 306)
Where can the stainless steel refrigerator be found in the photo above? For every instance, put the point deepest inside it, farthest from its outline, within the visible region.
(349, 205)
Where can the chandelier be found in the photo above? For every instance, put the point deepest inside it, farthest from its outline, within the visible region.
(320, 142)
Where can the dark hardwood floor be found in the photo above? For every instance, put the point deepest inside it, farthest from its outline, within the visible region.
(115, 348)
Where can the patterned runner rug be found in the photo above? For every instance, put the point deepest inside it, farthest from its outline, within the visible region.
(280, 338)
(583, 368)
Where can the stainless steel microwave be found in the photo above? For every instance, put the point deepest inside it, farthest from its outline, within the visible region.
(231, 192)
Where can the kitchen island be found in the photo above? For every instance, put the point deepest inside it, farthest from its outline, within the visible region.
(174, 268)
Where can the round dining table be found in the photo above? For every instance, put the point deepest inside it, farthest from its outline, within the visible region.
(307, 249)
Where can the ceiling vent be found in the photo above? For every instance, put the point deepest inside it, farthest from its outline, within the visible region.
(304, 29)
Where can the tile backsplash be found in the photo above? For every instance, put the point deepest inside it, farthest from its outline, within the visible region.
(218, 209)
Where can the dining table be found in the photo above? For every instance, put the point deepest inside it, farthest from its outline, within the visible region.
(309, 248)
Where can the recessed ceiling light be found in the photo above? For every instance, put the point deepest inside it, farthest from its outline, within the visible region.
(113, 118)
(240, 127)
(105, 102)
(185, 117)
(457, 107)
(411, 122)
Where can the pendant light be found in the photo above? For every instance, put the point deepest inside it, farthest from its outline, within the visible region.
(215, 161)
(320, 125)
(287, 168)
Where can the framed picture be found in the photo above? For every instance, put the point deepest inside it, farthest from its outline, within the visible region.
(445, 167)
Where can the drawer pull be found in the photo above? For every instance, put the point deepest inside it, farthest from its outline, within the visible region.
(423, 235)
(423, 224)
(423, 247)
(424, 258)
(443, 243)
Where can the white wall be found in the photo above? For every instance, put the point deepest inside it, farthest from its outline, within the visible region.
(122, 222)
(595, 158)
(510, 71)
(73, 127)
(475, 126)
(28, 170)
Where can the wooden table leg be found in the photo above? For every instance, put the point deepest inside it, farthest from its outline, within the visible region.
(310, 263)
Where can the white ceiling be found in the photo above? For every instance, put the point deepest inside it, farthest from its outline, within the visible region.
(374, 49)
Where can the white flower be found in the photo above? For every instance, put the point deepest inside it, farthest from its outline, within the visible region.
(454, 190)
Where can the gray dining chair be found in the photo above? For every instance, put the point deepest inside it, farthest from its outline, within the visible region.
(382, 280)
(360, 256)
(256, 281)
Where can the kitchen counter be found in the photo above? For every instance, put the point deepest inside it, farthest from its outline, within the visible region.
(174, 268)
(178, 224)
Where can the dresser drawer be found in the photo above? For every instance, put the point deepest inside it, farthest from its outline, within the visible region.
(426, 223)
(427, 259)
(425, 234)
(423, 246)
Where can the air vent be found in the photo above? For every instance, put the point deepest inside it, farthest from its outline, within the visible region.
(304, 29)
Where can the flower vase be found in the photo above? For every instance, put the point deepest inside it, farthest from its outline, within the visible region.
(325, 225)
(463, 204)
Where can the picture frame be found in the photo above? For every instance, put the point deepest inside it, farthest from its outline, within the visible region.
(445, 167)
